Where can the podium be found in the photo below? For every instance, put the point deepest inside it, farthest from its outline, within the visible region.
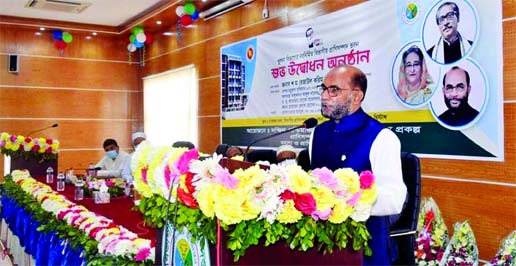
(280, 253)
(35, 166)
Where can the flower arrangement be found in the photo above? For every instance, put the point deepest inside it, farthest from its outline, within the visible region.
(102, 239)
(462, 250)
(255, 205)
(26, 147)
(115, 186)
(507, 253)
(432, 236)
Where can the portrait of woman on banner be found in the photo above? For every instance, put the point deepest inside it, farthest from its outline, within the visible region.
(415, 84)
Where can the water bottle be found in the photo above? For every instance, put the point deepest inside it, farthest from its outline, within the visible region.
(50, 175)
(60, 181)
(79, 192)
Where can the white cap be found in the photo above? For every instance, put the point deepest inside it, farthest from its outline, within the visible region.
(283, 148)
(138, 135)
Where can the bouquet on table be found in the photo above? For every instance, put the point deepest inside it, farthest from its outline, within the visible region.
(432, 236)
(114, 186)
(507, 252)
(319, 208)
(462, 250)
(18, 146)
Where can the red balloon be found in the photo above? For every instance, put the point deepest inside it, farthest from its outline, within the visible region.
(185, 20)
(60, 44)
(149, 38)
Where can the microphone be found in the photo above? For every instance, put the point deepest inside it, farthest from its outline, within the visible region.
(41, 129)
(308, 123)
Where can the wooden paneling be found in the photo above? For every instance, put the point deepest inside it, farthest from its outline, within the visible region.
(509, 59)
(491, 209)
(73, 103)
(209, 96)
(209, 133)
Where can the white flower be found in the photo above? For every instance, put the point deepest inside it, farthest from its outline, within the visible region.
(361, 212)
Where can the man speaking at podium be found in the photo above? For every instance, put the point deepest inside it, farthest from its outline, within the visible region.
(351, 138)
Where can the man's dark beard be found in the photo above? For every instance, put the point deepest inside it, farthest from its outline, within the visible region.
(338, 113)
(463, 103)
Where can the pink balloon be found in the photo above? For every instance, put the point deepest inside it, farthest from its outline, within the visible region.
(149, 39)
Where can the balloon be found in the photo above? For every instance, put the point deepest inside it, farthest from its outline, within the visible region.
(57, 34)
(141, 37)
(137, 30)
(131, 47)
(189, 8)
(138, 44)
(180, 10)
(132, 37)
(67, 37)
(60, 44)
(149, 38)
(185, 20)
(195, 15)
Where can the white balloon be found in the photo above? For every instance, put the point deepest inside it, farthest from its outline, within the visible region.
(131, 47)
(140, 37)
(180, 10)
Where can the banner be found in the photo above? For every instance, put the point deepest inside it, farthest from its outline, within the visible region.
(434, 71)
(179, 248)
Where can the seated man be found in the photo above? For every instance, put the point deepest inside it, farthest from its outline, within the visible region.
(127, 173)
(114, 160)
(233, 151)
(286, 155)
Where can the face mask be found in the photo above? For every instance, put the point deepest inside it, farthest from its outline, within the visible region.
(288, 162)
(112, 154)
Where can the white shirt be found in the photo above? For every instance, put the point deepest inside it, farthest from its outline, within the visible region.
(110, 167)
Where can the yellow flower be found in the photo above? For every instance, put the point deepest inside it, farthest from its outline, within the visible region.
(54, 146)
(289, 214)
(249, 178)
(206, 201)
(324, 198)
(20, 139)
(42, 141)
(368, 196)
(15, 147)
(341, 212)
(349, 178)
(238, 158)
(300, 181)
(5, 136)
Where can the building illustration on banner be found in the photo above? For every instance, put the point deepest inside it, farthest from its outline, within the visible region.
(234, 97)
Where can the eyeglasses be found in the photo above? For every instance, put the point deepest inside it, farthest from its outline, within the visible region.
(414, 65)
(449, 16)
(333, 90)
(459, 88)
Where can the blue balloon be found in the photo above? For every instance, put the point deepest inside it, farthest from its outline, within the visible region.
(195, 15)
(138, 44)
(57, 34)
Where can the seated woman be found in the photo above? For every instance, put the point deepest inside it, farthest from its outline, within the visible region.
(415, 84)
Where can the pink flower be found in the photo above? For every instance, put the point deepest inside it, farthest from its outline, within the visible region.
(305, 203)
(48, 150)
(143, 254)
(288, 195)
(171, 176)
(326, 177)
(366, 180)
(144, 175)
(323, 215)
(2, 143)
(223, 177)
(12, 138)
(49, 141)
(354, 199)
(183, 163)
(110, 183)
(35, 148)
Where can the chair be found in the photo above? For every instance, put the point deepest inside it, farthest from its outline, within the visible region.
(261, 155)
(403, 231)
(303, 159)
(183, 144)
(221, 149)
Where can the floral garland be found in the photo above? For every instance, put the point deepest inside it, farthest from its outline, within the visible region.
(26, 147)
(112, 239)
(253, 204)
(462, 250)
(432, 234)
(506, 255)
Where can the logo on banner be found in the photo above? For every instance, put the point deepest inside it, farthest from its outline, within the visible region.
(186, 252)
(411, 12)
(311, 38)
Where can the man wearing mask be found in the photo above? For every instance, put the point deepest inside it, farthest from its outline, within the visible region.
(114, 160)
(351, 138)
(286, 155)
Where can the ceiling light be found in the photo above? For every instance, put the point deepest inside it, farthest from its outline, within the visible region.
(168, 33)
(41, 28)
(204, 0)
(88, 37)
(158, 22)
(37, 33)
(94, 33)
